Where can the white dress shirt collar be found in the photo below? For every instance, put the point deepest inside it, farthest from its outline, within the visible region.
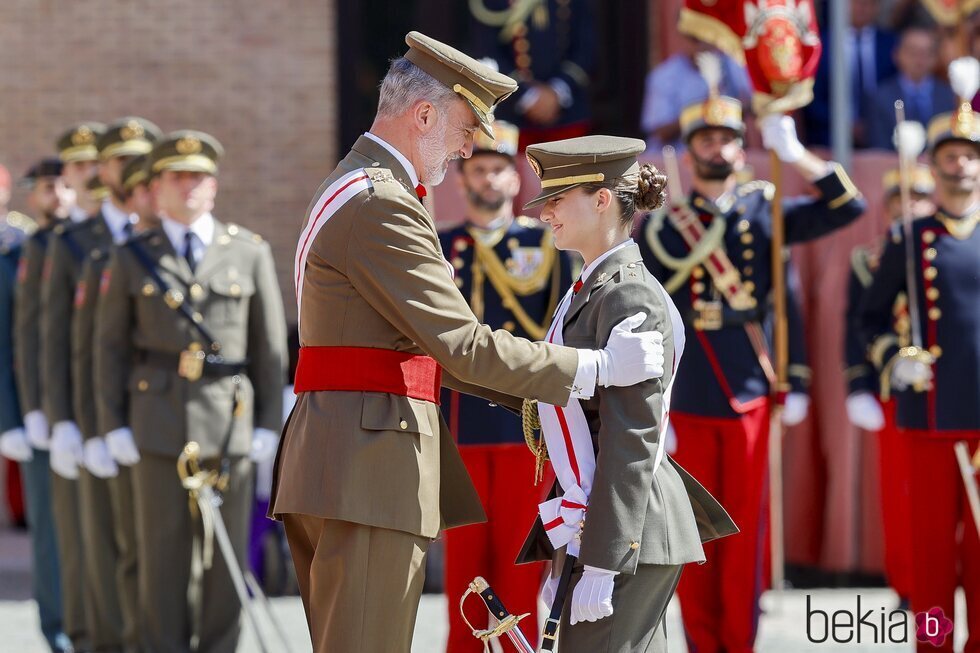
(203, 228)
(590, 268)
(409, 168)
(116, 219)
(77, 214)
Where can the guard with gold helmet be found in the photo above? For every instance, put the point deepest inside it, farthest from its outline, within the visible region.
(713, 253)
(935, 378)
(509, 271)
(189, 346)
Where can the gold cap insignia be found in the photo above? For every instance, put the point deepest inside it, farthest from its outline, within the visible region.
(188, 145)
(535, 166)
(132, 130)
(83, 136)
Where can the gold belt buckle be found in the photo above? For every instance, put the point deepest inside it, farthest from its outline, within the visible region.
(191, 365)
(709, 316)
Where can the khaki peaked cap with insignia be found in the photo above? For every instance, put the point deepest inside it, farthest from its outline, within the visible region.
(78, 143)
(960, 125)
(716, 111)
(921, 182)
(135, 172)
(563, 165)
(129, 136)
(504, 140)
(186, 150)
(480, 85)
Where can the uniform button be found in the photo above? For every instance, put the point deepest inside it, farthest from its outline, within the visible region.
(928, 237)
(461, 245)
(143, 385)
(197, 317)
(697, 287)
(149, 290)
(457, 263)
(929, 254)
(513, 243)
(634, 545)
(197, 292)
(747, 238)
(698, 304)
(233, 229)
(522, 61)
(930, 273)
(403, 424)
(697, 272)
(509, 325)
(698, 324)
(521, 45)
(933, 293)
(747, 270)
(631, 266)
(749, 286)
(935, 313)
(224, 239)
(235, 290)
(743, 226)
(936, 351)
(748, 254)
(459, 282)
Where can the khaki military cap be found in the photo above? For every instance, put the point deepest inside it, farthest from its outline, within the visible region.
(922, 181)
(563, 165)
(479, 84)
(135, 172)
(716, 111)
(79, 142)
(130, 136)
(186, 150)
(504, 140)
(960, 125)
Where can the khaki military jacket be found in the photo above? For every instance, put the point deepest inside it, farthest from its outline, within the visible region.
(83, 342)
(636, 515)
(235, 295)
(27, 320)
(376, 277)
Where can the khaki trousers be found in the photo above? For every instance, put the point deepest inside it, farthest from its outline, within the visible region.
(65, 508)
(361, 585)
(103, 609)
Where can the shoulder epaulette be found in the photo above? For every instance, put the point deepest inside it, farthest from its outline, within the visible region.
(767, 188)
(528, 222)
(243, 233)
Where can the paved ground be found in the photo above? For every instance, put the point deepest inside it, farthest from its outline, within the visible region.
(783, 626)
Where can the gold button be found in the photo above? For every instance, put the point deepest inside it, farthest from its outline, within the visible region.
(513, 243)
(935, 313)
(197, 317)
(233, 229)
(509, 325)
(930, 273)
(461, 245)
(932, 293)
(149, 290)
(143, 385)
(698, 324)
(197, 292)
(522, 61)
(747, 270)
(929, 254)
(698, 272)
(928, 237)
(459, 282)
(936, 351)
(235, 290)
(521, 45)
(403, 424)
(743, 226)
(748, 254)
(697, 287)
(747, 238)
(749, 286)
(457, 263)
(698, 304)
(634, 545)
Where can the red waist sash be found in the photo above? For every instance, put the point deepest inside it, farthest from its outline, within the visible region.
(366, 369)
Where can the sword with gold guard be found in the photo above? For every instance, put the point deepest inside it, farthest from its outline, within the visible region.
(506, 623)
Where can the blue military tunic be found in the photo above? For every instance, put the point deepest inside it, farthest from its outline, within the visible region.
(948, 290)
(721, 375)
(516, 284)
(11, 239)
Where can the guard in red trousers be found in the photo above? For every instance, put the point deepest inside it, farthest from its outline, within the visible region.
(713, 254)
(939, 376)
(864, 408)
(513, 277)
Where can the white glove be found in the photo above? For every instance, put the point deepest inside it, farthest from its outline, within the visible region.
(592, 598)
(548, 591)
(779, 135)
(98, 460)
(910, 372)
(670, 440)
(796, 408)
(264, 445)
(122, 446)
(864, 411)
(66, 450)
(14, 445)
(631, 357)
(36, 427)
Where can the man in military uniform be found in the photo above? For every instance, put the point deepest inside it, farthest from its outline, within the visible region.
(863, 407)
(382, 325)
(50, 201)
(190, 346)
(549, 48)
(76, 148)
(940, 374)
(139, 200)
(513, 276)
(108, 522)
(714, 257)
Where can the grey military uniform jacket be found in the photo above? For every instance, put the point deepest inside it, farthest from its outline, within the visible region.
(636, 515)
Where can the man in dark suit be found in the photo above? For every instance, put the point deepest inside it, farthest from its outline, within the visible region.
(868, 50)
(923, 94)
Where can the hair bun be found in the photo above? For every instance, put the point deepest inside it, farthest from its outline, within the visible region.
(651, 191)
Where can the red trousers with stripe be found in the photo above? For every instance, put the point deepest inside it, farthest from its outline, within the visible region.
(504, 478)
(945, 546)
(720, 599)
(893, 447)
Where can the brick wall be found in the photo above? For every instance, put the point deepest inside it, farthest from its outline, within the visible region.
(260, 76)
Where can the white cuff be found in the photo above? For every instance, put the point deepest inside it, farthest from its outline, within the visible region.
(529, 98)
(583, 386)
(600, 570)
(563, 91)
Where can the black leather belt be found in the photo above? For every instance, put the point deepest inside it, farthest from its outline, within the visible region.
(209, 365)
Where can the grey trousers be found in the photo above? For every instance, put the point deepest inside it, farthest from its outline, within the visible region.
(637, 622)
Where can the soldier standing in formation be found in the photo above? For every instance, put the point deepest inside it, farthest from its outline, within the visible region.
(190, 346)
(938, 379)
(864, 408)
(512, 275)
(716, 261)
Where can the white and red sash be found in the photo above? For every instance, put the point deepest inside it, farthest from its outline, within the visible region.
(569, 440)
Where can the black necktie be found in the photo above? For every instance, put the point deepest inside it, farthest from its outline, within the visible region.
(127, 231)
(189, 250)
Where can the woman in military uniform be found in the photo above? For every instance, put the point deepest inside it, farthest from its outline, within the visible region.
(631, 516)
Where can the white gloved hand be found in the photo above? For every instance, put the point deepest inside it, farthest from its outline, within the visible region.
(796, 408)
(66, 450)
(779, 135)
(14, 445)
(548, 591)
(98, 460)
(264, 445)
(910, 372)
(864, 411)
(36, 427)
(670, 440)
(592, 598)
(122, 446)
(630, 358)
